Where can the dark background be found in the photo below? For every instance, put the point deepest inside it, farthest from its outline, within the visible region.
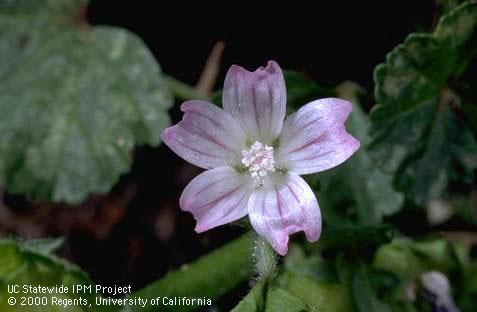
(332, 43)
(137, 233)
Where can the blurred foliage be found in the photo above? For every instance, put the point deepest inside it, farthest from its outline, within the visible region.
(408, 259)
(74, 100)
(352, 280)
(355, 236)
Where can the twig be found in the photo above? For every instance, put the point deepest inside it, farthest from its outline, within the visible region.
(211, 70)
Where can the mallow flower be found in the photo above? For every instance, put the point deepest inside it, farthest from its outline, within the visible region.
(255, 156)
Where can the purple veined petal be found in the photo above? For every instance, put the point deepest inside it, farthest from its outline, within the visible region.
(216, 197)
(283, 208)
(315, 139)
(257, 99)
(206, 136)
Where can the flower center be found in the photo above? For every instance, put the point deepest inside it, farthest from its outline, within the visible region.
(259, 161)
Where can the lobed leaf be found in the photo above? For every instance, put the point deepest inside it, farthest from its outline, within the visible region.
(74, 100)
(416, 132)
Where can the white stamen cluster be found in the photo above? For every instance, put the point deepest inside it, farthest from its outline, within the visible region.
(259, 161)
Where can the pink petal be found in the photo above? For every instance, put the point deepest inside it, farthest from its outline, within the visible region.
(216, 197)
(289, 206)
(315, 139)
(257, 99)
(207, 136)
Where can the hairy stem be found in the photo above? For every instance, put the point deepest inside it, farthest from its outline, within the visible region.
(265, 259)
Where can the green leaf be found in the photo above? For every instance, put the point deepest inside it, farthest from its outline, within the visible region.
(358, 182)
(311, 266)
(211, 276)
(74, 100)
(254, 300)
(262, 298)
(320, 296)
(281, 300)
(24, 263)
(416, 133)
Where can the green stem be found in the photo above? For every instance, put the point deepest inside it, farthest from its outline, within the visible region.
(265, 259)
(183, 91)
(210, 276)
